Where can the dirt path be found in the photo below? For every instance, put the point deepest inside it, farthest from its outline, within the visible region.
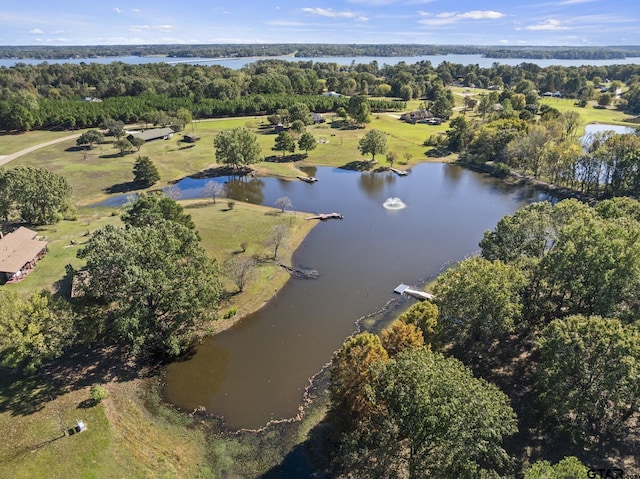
(7, 158)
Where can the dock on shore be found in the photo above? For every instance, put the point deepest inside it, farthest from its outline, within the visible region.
(325, 216)
(403, 289)
(308, 179)
(399, 172)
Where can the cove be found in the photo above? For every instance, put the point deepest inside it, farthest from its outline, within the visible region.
(257, 371)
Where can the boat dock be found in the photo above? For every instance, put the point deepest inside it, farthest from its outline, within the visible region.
(325, 216)
(403, 289)
(399, 172)
(308, 179)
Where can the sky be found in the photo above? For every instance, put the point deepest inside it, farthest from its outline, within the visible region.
(438, 22)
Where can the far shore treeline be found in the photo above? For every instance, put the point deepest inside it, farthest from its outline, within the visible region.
(308, 50)
(69, 96)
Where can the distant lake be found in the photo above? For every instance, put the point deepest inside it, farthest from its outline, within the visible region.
(238, 63)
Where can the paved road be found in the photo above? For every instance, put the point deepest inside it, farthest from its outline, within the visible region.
(7, 158)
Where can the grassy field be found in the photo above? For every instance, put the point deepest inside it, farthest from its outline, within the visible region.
(125, 438)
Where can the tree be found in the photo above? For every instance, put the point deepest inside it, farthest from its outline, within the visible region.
(285, 143)
(359, 109)
(239, 270)
(589, 375)
(153, 208)
(480, 300)
(373, 142)
(428, 416)
(400, 337)
(145, 172)
(89, 138)
(284, 202)
(604, 100)
(298, 127)
(33, 329)
(424, 315)
(171, 292)
(307, 142)
(237, 147)
(39, 195)
(350, 374)
(568, 468)
(124, 146)
(213, 189)
(299, 111)
(277, 238)
(115, 128)
(137, 142)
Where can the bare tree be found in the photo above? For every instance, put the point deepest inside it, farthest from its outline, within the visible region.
(277, 239)
(213, 189)
(283, 203)
(240, 270)
(174, 192)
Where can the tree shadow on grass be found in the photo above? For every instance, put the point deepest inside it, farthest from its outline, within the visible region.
(125, 187)
(23, 394)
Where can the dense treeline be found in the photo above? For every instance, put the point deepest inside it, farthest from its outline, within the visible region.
(51, 96)
(314, 50)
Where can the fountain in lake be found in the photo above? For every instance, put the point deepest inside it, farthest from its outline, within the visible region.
(394, 204)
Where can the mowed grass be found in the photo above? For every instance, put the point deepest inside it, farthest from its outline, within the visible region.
(122, 439)
(12, 143)
(93, 172)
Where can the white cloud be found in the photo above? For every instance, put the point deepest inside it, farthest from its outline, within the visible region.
(362, 19)
(36, 31)
(136, 10)
(161, 28)
(328, 12)
(446, 18)
(117, 10)
(574, 2)
(283, 23)
(548, 25)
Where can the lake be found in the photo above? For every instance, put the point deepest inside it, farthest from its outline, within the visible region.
(257, 371)
(238, 63)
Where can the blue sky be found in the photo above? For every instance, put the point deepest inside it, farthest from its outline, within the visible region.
(489, 22)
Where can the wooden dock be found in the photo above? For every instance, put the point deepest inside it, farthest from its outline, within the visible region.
(399, 172)
(326, 216)
(403, 289)
(308, 179)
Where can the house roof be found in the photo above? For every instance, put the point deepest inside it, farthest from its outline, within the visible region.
(18, 248)
(152, 134)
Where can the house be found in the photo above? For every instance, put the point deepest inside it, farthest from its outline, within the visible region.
(190, 138)
(153, 134)
(317, 118)
(416, 116)
(19, 252)
(331, 93)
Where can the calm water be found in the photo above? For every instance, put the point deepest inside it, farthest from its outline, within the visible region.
(258, 370)
(238, 63)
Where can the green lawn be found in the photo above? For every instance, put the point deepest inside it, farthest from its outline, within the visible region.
(11, 143)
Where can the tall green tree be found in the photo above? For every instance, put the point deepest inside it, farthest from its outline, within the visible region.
(568, 468)
(359, 109)
(154, 287)
(33, 329)
(589, 375)
(90, 138)
(237, 146)
(145, 172)
(424, 315)
(152, 208)
(38, 195)
(480, 300)
(285, 143)
(307, 142)
(428, 417)
(374, 142)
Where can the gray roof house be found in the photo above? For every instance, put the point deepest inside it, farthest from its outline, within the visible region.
(153, 134)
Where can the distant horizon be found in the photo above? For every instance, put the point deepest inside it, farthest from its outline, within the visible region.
(562, 23)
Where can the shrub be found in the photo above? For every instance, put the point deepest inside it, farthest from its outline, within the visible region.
(501, 170)
(98, 393)
(231, 204)
(231, 313)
